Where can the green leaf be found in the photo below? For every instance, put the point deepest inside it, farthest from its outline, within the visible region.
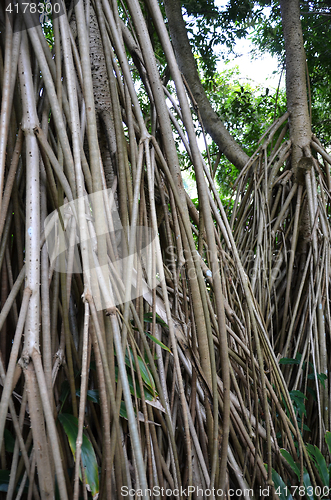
(280, 486)
(296, 470)
(70, 426)
(158, 342)
(65, 391)
(322, 377)
(279, 483)
(144, 371)
(148, 318)
(328, 440)
(9, 441)
(312, 392)
(304, 426)
(319, 462)
(92, 395)
(289, 361)
(307, 484)
(149, 396)
(298, 395)
(291, 462)
(123, 412)
(298, 398)
(140, 415)
(146, 374)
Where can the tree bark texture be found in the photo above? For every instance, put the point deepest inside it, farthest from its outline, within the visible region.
(296, 90)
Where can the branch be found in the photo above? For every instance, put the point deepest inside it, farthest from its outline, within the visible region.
(186, 62)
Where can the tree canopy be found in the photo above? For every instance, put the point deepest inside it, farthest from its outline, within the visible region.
(261, 22)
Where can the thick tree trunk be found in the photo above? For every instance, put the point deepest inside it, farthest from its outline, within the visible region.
(296, 90)
(302, 165)
(186, 62)
(102, 101)
(299, 122)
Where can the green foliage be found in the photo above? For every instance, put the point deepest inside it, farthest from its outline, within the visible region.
(70, 426)
(298, 400)
(319, 462)
(204, 27)
(246, 111)
(158, 342)
(311, 376)
(48, 32)
(148, 318)
(290, 361)
(261, 21)
(323, 471)
(92, 395)
(123, 412)
(47, 23)
(321, 467)
(135, 389)
(322, 377)
(268, 33)
(280, 487)
(143, 368)
(296, 469)
(297, 397)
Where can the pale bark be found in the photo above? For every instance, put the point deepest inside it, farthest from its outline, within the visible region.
(301, 135)
(296, 91)
(41, 447)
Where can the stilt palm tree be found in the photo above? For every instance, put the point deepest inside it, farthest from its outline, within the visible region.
(141, 335)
